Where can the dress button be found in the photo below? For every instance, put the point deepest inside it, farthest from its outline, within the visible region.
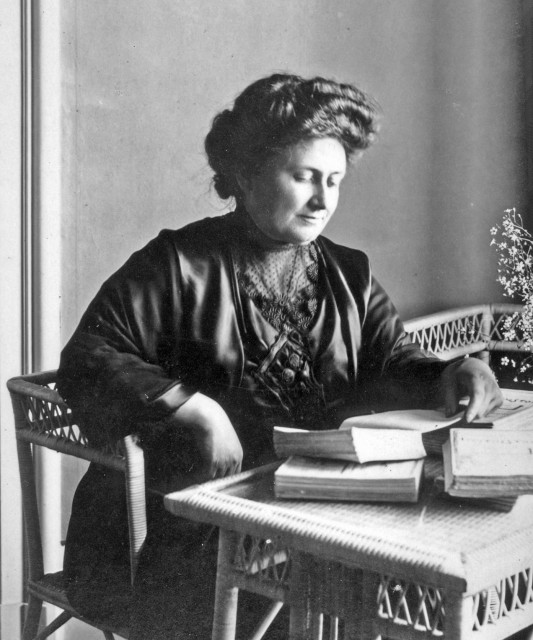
(287, 375)
(294, 361)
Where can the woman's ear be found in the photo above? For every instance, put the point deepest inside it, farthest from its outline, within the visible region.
(245, 183)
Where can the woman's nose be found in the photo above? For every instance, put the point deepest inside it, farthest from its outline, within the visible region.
(319, 198)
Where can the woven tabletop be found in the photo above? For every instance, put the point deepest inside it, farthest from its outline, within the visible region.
(434, 542)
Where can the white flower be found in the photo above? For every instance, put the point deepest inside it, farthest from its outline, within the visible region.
(514, 246)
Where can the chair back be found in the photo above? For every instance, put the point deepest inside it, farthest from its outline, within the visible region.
(465, 331)
(43, 418)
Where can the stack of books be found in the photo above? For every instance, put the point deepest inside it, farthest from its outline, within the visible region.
(349, 464)
(492, 464)
(380, 457)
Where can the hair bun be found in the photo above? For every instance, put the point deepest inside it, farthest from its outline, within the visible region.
(278, 111)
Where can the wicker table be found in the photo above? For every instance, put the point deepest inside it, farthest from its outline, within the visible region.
(434, 569)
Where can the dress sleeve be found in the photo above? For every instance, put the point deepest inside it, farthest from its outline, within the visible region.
(396, 367)
(119, 369)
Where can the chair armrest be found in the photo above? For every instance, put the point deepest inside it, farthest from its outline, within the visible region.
(136, 498)
(43, 418)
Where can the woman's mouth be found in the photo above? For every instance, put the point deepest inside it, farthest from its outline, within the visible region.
(313, 217)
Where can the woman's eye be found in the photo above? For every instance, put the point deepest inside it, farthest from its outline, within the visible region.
(303, 177)
(335, 182)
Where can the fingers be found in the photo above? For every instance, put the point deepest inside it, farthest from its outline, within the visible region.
(230, 469)
(450, 392)
(221, 467)
(496, 402)
(473, 378)
(216, 442)
(477, 407)
(485, 396)
(451, 399)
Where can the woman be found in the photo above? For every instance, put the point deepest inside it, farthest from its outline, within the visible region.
(213, 333)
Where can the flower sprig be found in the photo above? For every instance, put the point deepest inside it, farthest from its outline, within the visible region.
(514, 245)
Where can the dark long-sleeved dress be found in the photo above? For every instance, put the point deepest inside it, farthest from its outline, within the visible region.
(180, 317)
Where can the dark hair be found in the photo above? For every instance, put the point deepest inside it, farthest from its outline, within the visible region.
(278, 111)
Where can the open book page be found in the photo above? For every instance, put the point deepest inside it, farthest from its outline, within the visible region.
(515, 412)
(518, 397)
(421, 420)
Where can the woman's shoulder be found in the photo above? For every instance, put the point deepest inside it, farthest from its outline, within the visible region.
(345, 255)
(192, 243)
(200, 236)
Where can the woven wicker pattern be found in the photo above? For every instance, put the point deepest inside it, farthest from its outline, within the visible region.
(419, 554)
(451, 333)
(498, 319)
(266, 559)
(513, 593)
(51, 582)
(43, 418)
(51, 419)
(423, 608)
(48, 421)
(411, 605)
(464, 331)
(433, 535)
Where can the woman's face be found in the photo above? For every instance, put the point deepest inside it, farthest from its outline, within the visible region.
(295, 193)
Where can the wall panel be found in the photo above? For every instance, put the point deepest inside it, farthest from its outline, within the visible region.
(451, 156)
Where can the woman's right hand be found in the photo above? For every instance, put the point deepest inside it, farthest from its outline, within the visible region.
(214, 437)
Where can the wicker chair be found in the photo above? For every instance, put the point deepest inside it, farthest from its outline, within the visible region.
(43, 418)
(476, 330)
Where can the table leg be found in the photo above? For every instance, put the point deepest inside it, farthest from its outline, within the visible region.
(305, 625)
(226, 595)
(458, 613)
(298, 623)
(364, 629)
(306, 620)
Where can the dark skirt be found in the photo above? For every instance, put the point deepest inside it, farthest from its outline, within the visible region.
(174, 589)
(174, 592)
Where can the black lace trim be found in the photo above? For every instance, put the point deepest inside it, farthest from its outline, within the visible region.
(286, 372)
(285, 310)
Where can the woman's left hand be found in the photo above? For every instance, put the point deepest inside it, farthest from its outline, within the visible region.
(470, 377)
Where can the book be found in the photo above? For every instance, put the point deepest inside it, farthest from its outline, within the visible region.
(504, 504)
(320, 479)
(355, 444)
(481, 463)
(431, 425)
(516, 412)
(434, 478)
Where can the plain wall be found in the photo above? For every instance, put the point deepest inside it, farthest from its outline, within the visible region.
(143, 80)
